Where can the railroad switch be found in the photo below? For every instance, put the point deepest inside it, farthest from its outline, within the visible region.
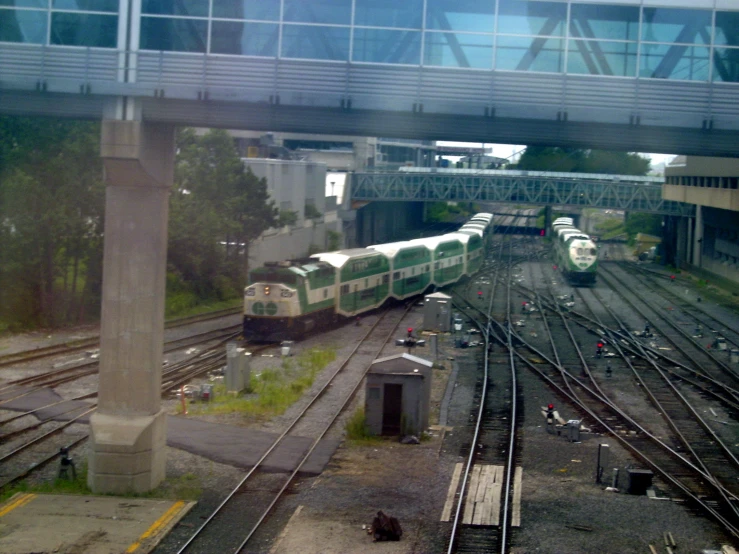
(65, 464)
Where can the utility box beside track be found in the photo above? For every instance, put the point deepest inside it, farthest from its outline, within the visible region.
(238, 368)
(437, 312)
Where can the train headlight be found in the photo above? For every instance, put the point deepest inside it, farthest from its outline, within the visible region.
(266, 290)
(251, 292)
(286, 294)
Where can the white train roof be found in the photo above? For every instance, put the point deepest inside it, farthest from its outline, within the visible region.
(471, 231)
(392, 248)
(462, 237)
(432, 242)
(340, 257)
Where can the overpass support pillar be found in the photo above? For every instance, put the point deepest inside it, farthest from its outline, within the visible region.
(547, 219)
(128, 431)
(698, 237)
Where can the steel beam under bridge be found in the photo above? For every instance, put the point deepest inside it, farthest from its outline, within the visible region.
(616, 192)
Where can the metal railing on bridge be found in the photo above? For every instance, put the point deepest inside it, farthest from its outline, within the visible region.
(616, 192)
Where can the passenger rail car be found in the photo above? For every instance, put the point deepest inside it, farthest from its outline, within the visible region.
(284, 300)
(575, 253)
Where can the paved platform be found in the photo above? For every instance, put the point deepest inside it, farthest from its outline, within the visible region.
(67, 524)
(227, 444)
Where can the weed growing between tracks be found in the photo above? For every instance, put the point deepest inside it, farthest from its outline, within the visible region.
(273, 390)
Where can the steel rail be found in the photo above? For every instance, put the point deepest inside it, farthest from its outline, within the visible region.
(184, 547)
(80, 344)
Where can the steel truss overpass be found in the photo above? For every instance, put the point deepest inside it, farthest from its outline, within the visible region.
(616, 192)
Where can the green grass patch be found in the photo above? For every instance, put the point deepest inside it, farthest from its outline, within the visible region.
(57, 486)
(186, 305)
(184, 487)
(357, 431)
(272, 391)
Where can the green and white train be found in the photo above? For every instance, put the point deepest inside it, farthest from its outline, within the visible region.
(284, 300)
(575, 253)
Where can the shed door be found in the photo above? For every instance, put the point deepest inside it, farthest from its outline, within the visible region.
(392, 408)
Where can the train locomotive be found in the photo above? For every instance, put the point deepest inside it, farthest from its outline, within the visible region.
(575, 253)
(285, 300)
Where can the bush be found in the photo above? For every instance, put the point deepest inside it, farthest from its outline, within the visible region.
(356, 427)
(180, 302)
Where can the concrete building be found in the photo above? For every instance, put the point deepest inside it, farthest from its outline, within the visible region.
(398, 395)
(710, 241)
(296, 186)
(337, 152)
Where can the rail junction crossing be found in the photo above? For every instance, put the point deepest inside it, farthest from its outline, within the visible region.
(632, 75)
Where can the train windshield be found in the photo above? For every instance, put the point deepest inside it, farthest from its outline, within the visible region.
(270, 275)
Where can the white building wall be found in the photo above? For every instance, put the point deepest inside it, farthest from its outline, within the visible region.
(291, 183)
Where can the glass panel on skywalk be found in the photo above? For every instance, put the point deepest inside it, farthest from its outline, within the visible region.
(674, 61)
(460, 15)
(83, 29)
(727, 29)
(27, 26)
(262, 10)
(180, 35)
(87, 5)
(530, 54)
(600, 57)
(194, 8)
(337, 12)
(604, 22)
(726, 65)
(23, 4)
(386, 46)
(247, 39)
(675, 25)
(315, 42)
(458, 50)
(524, 17)
(407, 14)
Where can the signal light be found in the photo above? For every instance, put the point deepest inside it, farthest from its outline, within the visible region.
(410, 332)
(542, 233)
(600, 344)
(550, 407)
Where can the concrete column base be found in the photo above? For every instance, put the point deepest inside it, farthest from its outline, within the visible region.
(128, 453)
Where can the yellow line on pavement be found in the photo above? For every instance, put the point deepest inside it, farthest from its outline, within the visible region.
(23, 499)
(158, 524)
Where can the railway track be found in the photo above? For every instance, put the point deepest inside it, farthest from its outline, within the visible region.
(487, 482)
(256, 495)
(689, 476)
(78, 345)
(43, 446)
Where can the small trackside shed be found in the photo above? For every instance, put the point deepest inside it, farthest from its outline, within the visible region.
(398, 395)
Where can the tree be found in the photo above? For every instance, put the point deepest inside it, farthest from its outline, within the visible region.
(287, 217)
(218, 207)
(575, 160)
(51, 209)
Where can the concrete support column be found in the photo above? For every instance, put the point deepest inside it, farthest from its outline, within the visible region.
(698, 236)
(128, 430)
(547, 219)
(681, 245)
